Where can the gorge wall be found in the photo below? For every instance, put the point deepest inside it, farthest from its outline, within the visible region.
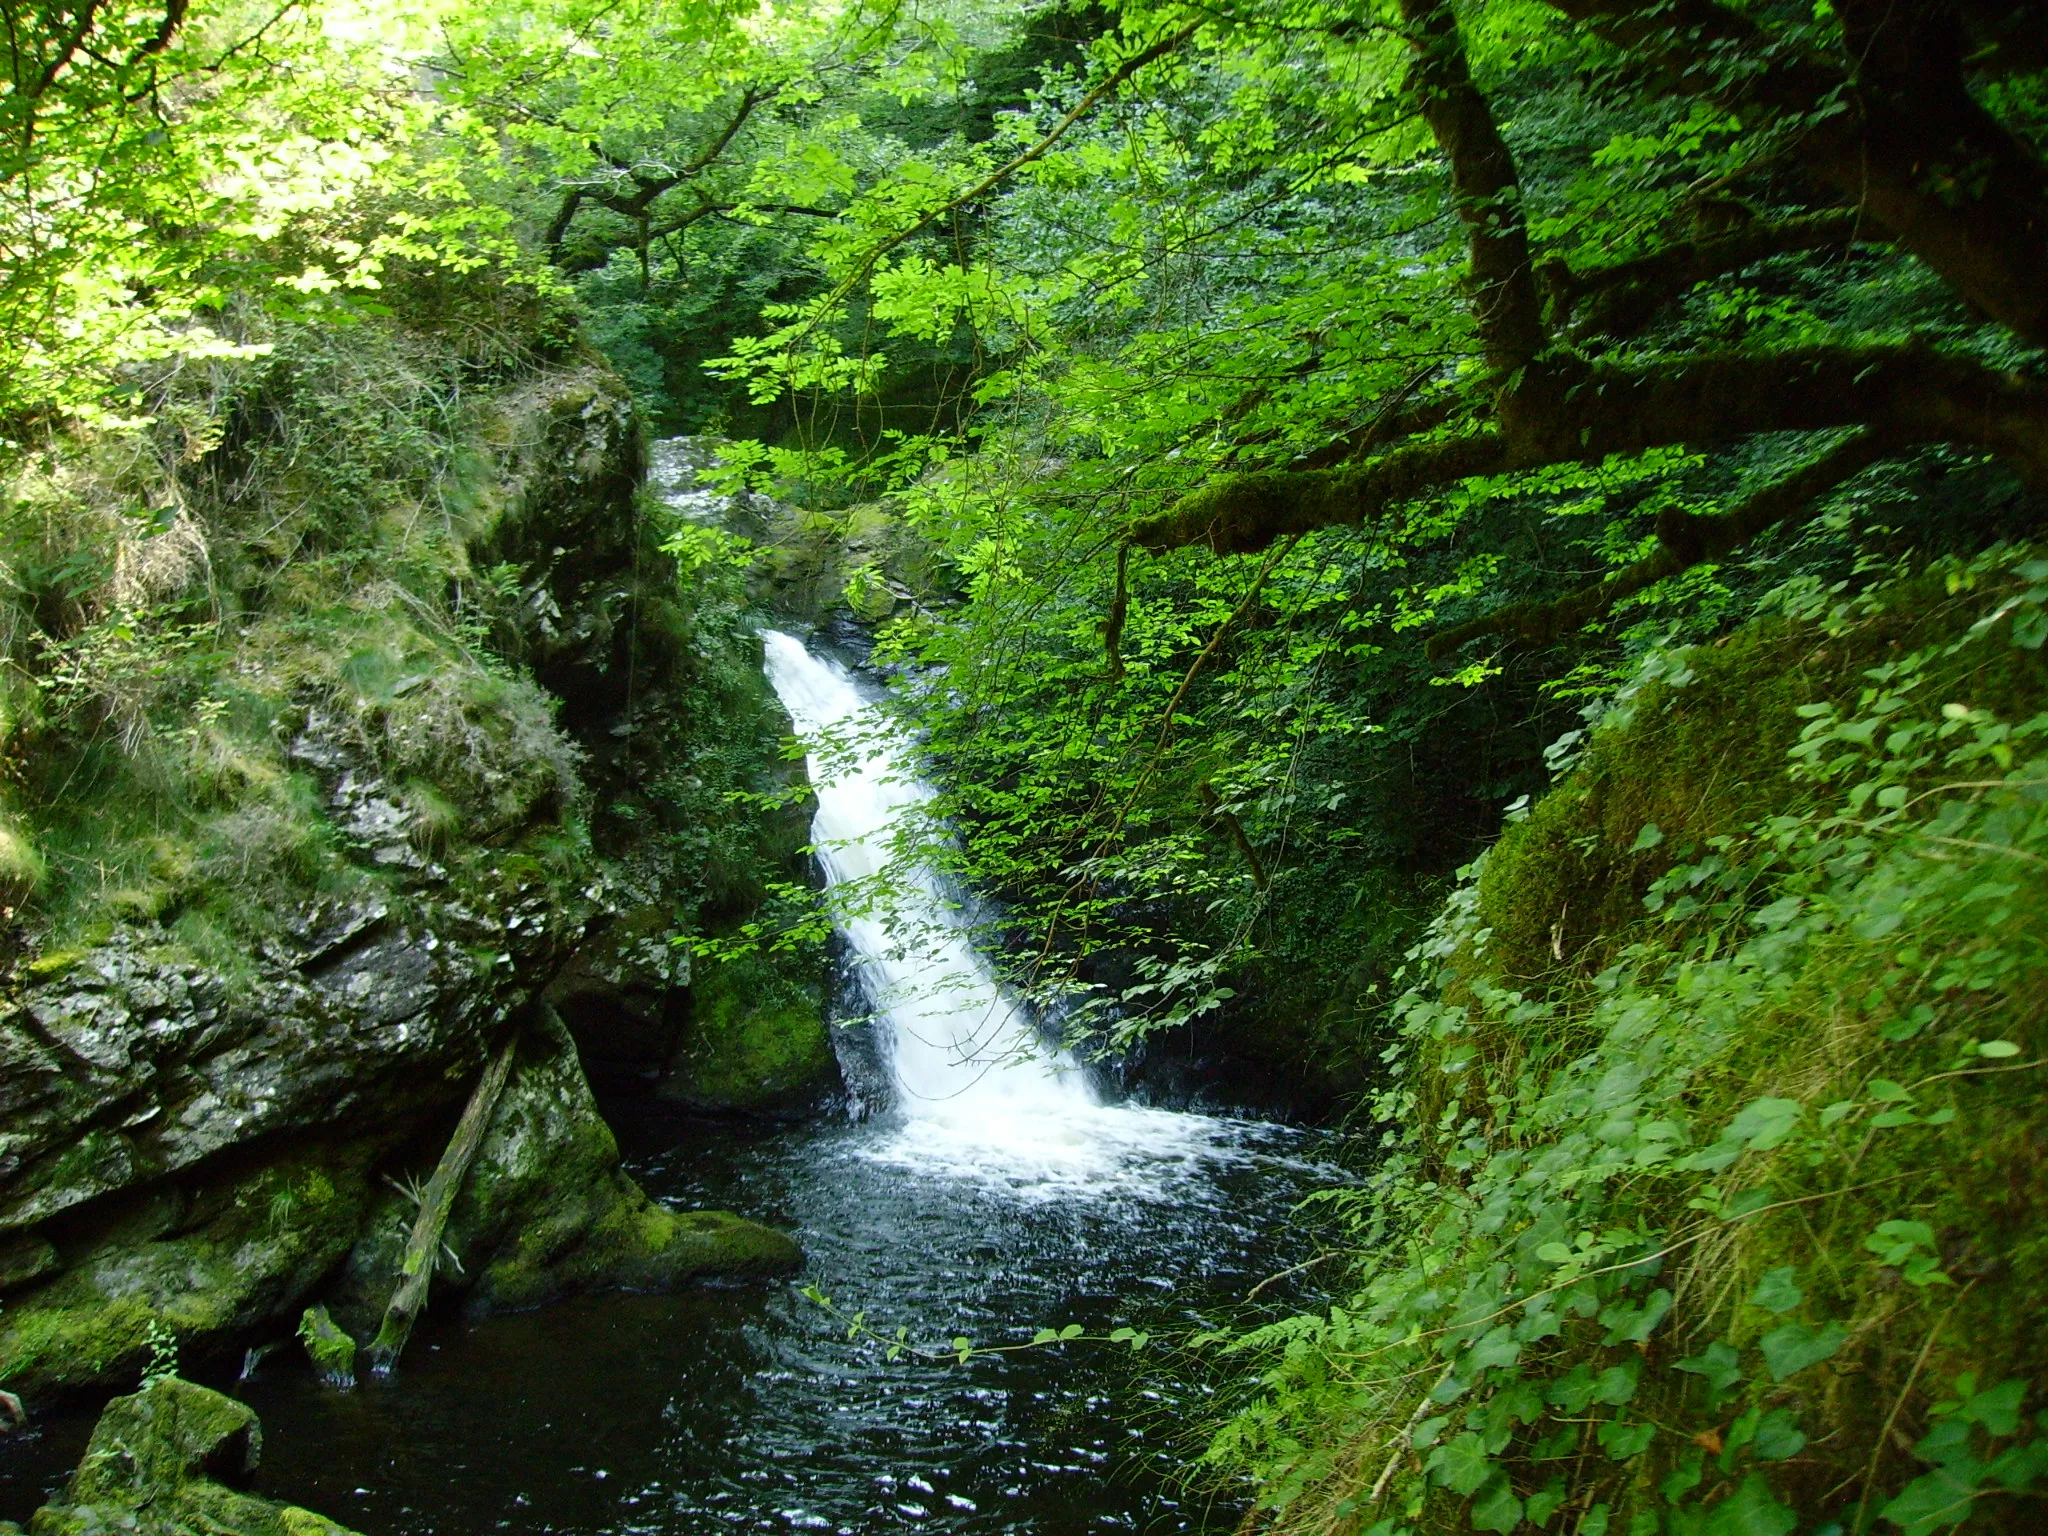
(399, 740)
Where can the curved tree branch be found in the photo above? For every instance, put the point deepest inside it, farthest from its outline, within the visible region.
(1238, 514)
(646, 189)
(1620, 299)
(1683, 541)
(1912, 149)
(1565, 411)
(1487, 191)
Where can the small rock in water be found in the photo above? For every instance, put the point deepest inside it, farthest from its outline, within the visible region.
(332, 1351)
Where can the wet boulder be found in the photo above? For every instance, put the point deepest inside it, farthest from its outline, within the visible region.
(758, 1037)
(172, 1460)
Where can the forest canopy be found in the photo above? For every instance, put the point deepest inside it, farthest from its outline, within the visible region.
(1246, 367)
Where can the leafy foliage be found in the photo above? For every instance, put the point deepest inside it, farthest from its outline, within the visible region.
(1675, 1240)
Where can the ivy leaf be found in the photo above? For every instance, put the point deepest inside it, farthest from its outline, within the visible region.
(1616, 1384)
(1544, 1503)
(1778, 1436)
(1497, 1509)
(1935, 1500)
(1792, 1348)
(1462, 1465)
(1497, 1347)
(1718, 1364)
(1778, 1291)
(1752, 1510)
(1649, 837)
(1634, 1324)
(1621, 1439)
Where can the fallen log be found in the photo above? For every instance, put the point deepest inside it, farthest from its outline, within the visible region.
(416, 1267)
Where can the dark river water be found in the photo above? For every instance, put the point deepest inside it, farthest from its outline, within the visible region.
(1005, 1191)
(748, 1409)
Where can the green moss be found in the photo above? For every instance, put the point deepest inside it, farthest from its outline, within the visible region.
(253, 1244)
(1698, 752)
(56, 962)
(758, 1035)
(1786, 1105)
(151, 1469)
(332, 1351)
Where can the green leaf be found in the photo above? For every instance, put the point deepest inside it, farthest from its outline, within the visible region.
(1935, 1500)
(1497, 1347)
(1752, 1510)
(1649, 837)
(1718, 1363)
(1778, 1436)
(1544, 1503)
(2019, 1467)
(1896, 1242)
(1621, 1439)
(1792, 1348)
(1996, 1408)
(1497, 1509)
(1634, 1324)
(1617, 1384)
(1045, 1336)
(1765, 1123)
(1462, 1465)
(1683, 1478)
(1071, 1331)
(1998, 1049)
(1778, 1291)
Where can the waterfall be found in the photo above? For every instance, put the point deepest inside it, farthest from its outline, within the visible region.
(978, 1094)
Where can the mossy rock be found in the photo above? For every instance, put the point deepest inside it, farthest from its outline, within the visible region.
(332, 1351)
(1699, 754)
(204, 1267)
(159, 1463)
(546, 1212)
(1702, 750)
(758, 1039)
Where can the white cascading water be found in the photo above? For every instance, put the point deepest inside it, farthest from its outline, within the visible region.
(978, 1094)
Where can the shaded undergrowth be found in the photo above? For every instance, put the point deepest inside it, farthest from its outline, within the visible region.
(1714, 1157)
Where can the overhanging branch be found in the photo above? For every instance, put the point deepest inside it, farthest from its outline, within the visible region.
(1683, 541)
(1620, 299)
(1238, 514)
(1565, 411)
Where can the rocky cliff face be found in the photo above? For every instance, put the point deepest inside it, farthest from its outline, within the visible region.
(200, 1138)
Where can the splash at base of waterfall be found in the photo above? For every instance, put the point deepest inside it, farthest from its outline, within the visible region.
(979, 1095)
